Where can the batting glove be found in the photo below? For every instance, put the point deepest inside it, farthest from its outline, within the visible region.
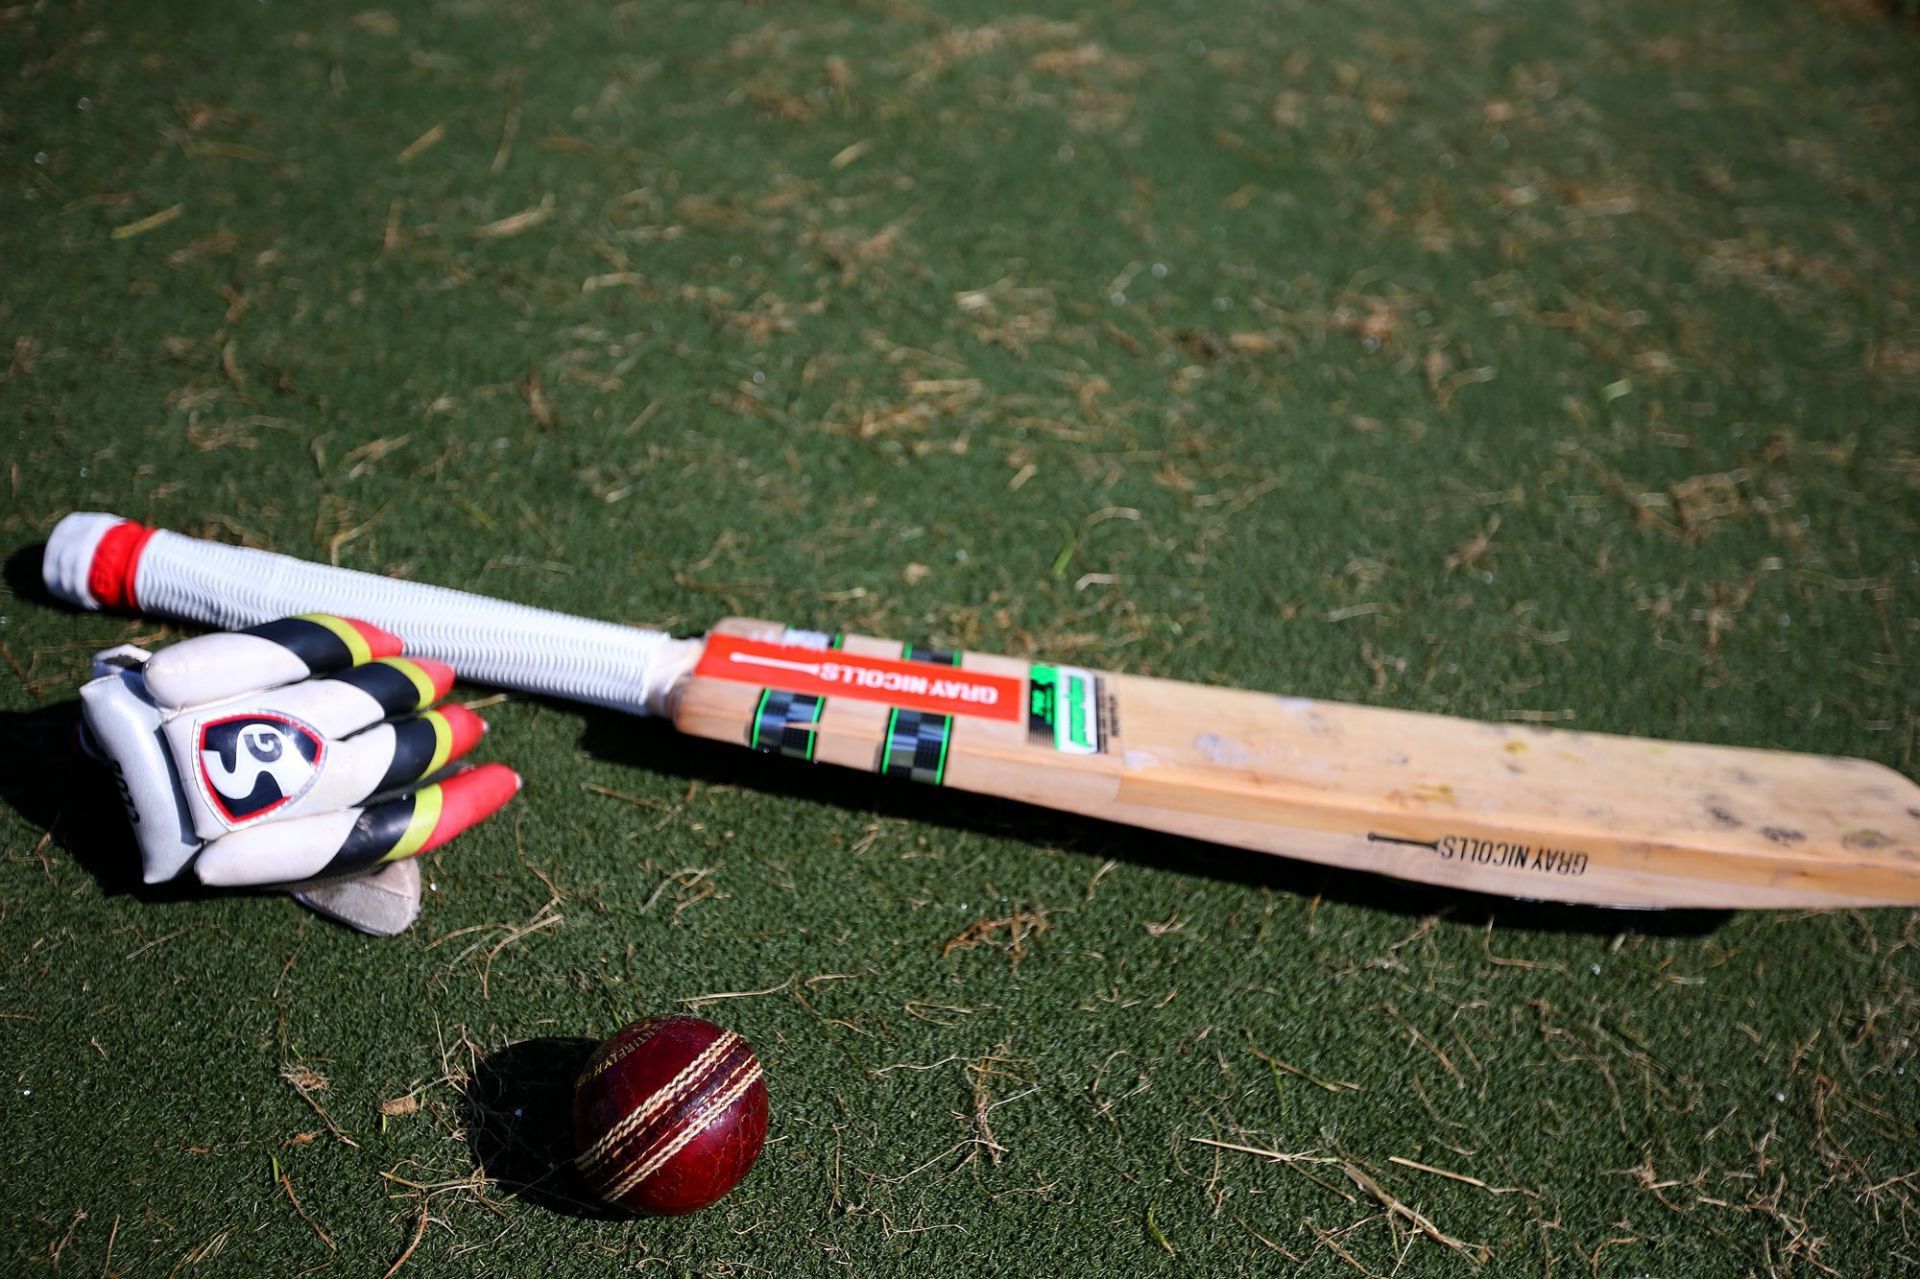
(290, 752)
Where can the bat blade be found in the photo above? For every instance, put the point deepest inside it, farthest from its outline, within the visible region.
(1530, 812)
(1536, 813)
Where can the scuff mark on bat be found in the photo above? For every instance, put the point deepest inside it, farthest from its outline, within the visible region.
(1224, 751)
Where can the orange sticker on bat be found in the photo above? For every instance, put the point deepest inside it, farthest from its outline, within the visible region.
(920, 686)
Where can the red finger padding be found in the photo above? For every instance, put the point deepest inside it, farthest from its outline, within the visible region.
(469, 798)
(464, 729)
(379, 643)
(438, 672)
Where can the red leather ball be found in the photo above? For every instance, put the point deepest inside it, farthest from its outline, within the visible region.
(668, 1115)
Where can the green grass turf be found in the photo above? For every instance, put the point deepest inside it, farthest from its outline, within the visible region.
(1542, 361)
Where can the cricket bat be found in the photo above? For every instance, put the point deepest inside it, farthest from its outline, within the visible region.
(1528, 812)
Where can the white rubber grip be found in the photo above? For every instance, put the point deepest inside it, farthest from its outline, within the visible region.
(513, 646)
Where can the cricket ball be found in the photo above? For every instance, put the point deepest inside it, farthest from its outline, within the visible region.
(668, 1115)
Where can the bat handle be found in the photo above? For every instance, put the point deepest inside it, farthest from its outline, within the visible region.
(103, 561)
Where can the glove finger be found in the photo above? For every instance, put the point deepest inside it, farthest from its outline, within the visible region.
(210, 668)
(391, 757)
(356, 839)
(342, 704)
(427, 743)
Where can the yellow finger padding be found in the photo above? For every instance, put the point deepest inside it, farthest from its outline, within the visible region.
(420, 679)
(426, 816)
(442, 742)
(347, 633)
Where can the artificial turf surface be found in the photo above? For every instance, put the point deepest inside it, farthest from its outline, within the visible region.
(1553, 362)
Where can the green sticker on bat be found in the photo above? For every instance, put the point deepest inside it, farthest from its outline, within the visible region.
(1063, 709)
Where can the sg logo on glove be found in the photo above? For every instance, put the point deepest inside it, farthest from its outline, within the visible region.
(252, 764)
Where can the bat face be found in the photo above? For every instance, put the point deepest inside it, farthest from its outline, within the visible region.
(1522, 812)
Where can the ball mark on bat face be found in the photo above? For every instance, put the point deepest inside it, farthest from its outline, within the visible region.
(1723, 818)
(1309, 710)
(668, 1115)
(1224, 752)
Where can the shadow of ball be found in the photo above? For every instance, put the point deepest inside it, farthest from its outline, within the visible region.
(518, 1117)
